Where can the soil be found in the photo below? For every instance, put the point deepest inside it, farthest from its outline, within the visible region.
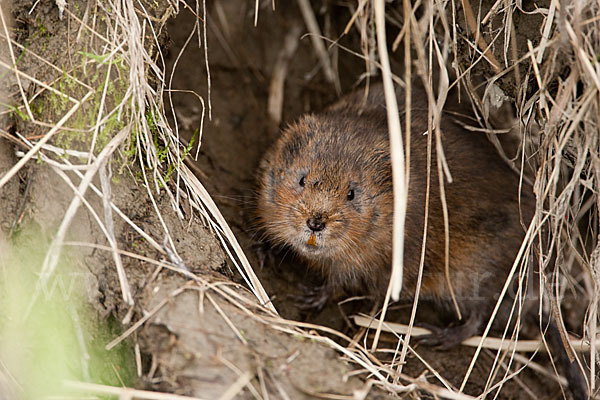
(188, 347)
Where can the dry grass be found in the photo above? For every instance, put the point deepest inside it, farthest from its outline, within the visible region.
(558, 131)
(557, 125)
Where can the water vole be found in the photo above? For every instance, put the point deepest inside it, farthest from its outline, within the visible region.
(326, 192)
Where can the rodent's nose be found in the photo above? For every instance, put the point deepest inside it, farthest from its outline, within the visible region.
(315, 223)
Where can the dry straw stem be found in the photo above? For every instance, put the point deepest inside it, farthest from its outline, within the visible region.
(317, 40)
(14, 62)
(237, 386)
(276, 87)
(13, 171)
(246, 270)
(361, 18)
(242, 379)
(53, 254)
(474, 28)
(67, 166)
(579, 345)
(201, 201)
(398, 167)
(434, 117)
(124, 393)
(108, 218)
(256, 5)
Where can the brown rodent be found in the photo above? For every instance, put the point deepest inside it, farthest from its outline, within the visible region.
(329, 174)
(326, 192)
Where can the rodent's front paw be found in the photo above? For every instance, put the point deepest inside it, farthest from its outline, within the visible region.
(313, 298)
(263, 252)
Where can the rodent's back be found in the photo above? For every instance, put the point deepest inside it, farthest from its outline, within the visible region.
(485, 211)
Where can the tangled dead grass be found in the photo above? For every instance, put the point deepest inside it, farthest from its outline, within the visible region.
(554, 80)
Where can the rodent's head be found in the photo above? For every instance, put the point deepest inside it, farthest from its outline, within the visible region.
(325, 188)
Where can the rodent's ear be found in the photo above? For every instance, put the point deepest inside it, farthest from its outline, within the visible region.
(295, 139)
(264, 168)
(268, 183)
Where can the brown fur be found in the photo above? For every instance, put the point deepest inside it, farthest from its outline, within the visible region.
(346, 147)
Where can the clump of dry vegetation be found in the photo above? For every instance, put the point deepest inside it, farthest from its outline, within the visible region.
(102, 108)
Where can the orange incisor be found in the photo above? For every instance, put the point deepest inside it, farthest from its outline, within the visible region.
(312, 240)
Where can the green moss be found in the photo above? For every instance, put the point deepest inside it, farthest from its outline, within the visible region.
(16, 112)
(40, 30)
(79, 130)
(54, 336)
(37, 109)
(55, 104)
(41, 33)
(162, 151)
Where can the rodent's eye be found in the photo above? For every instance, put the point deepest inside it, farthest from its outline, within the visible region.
(350, 195)
(302, 181)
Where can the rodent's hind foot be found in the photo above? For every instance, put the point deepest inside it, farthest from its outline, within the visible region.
(451, 336)
(313, 299)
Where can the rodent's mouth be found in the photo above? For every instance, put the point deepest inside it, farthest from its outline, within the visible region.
(311, 244)
(311, 249)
